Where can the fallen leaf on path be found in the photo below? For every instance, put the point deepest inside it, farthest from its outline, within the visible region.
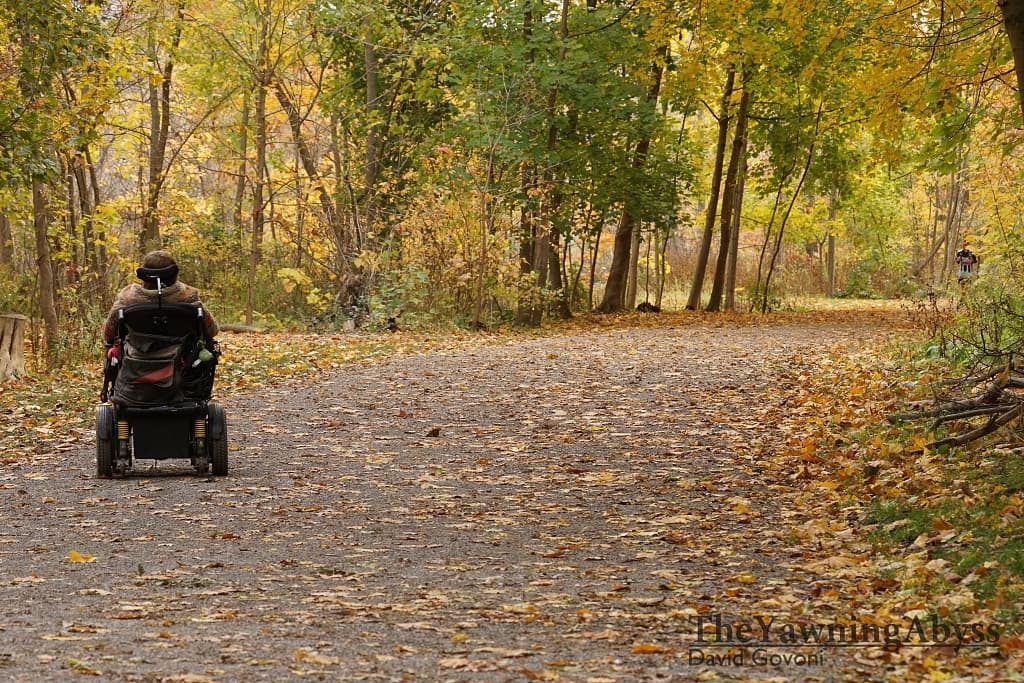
(76, 557)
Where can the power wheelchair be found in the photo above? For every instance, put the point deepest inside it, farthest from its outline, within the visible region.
(156, 397)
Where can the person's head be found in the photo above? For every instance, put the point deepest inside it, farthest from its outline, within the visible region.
(158, 264)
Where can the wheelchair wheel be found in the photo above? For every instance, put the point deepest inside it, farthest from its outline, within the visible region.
(106, 441)
(217, 438)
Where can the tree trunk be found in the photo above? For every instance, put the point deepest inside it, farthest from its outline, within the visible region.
(159, 132)
(243, 166)
(12, 346)
(592, 273)
(615, 288)
(729, 204)
(632, 284)
(527, 214)
(734, 247)
(373, 142)
(614, 298)
(697, 288)
(556, 280)
(87, 201)
(486, 227)
(766, 288)
(663, 241)
(42, 217)
(1013, 21)
(527, 238)
(309, 165)
(99, 233)
(256, 238)
(6, 241)
(830, 254)
(541, 260)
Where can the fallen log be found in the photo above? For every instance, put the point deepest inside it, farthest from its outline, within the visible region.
(243, 329)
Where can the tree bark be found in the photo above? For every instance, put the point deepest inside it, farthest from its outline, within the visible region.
(697, 288)
(373, 135)
(729, 204)
(243, 165)
(262, 83)
(632, 283)
(830, 254)
(159, 133)
(527, 238)
(614, 298)
(12, 346)
(41, 218)
(734, 248)
(1013, 21)
(6, 241)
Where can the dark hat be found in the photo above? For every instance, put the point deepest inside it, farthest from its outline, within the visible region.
(158, 265)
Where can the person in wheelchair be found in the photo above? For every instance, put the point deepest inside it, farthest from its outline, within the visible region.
(160, 363)
(154, 288)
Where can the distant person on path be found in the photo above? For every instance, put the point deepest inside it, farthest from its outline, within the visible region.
(171, 291)
(967, 262)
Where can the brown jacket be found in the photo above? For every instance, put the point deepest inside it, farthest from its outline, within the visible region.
(178, 293)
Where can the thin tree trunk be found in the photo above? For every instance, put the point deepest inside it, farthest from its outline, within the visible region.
(527, 214)
(41, 219)
(243, 170)
(593, 261)
(662, 267)
(734, 247)
(486, 226)
(309, 165)
(527, 239)
(556, 279)
(789, 211)
(159, 133)
(1013, 21)
(634, 267)
(728, 204)
(541, 266)
(87, 210)
(830, 254)
(262, 83)
(6, 241)
(373, 136)
(697, 288)
(614, 298)
(99, 234)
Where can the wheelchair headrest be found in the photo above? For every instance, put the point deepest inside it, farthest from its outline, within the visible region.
(169, 320)
(167, 275)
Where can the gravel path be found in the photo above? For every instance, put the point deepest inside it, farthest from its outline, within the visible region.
(559, 509)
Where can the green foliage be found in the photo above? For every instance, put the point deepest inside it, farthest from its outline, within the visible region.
(880, 273)
(987, 533)
(989, 319)
(16, 291)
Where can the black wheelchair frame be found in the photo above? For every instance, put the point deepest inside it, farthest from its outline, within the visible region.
(172, 415)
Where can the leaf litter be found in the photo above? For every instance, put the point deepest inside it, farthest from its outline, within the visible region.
(554, 506)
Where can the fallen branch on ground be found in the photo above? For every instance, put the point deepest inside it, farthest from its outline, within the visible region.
(1000, 405)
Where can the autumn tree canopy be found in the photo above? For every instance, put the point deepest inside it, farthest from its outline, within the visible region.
(466, 162)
